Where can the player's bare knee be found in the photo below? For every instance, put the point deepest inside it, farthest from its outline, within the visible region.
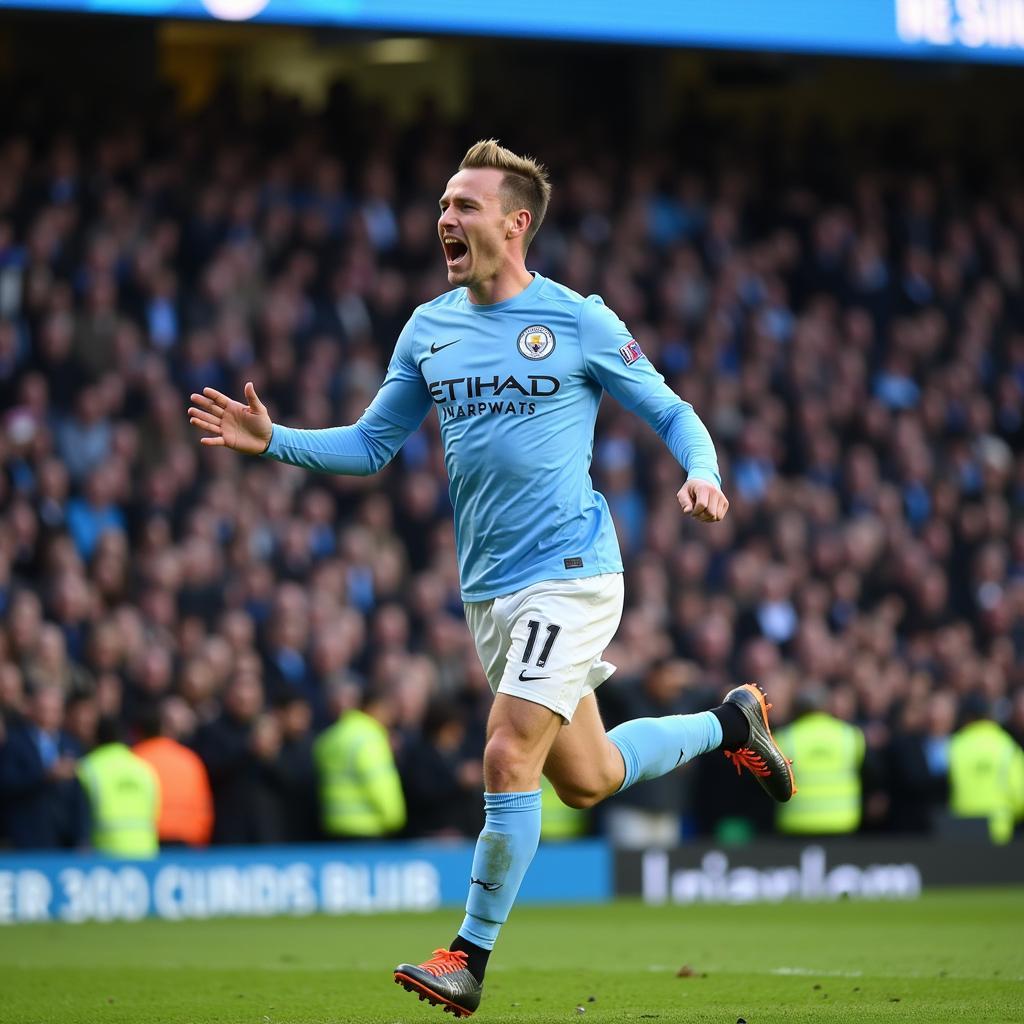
(508, 766)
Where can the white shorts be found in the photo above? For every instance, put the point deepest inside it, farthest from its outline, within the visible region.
(544, 643)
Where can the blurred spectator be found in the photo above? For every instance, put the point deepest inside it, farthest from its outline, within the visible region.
(240, 750)
(940, 724)
(49, 664)
(84, 439)
(360, 788)
(124, 796)
(298, 770)
(916, 788)
(287, 667)
(12, 699)
(82, 719)
(95, 512)
(442, 784)
(186, 802)
(44, 805)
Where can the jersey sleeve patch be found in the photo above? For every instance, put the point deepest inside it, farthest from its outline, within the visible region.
(631, 352)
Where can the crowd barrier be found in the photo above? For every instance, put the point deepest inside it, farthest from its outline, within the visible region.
(374, 878)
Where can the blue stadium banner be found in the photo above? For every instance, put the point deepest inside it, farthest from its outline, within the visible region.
(977, 30)
(271, 880)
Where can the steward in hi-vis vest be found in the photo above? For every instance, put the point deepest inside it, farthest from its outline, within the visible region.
(124, 795)
(360, 789)
(986, 774)
(828, 754)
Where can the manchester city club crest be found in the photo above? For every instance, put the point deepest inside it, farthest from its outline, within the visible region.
(536, 342)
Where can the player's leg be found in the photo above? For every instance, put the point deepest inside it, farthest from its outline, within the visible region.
(519, 735)
(587, 764)
(521, 728)
(557, 632)
(583, 765)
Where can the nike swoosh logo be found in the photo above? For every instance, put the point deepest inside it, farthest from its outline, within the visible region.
(435, 348)
(682, 754)
(529, 679)
(486, 886)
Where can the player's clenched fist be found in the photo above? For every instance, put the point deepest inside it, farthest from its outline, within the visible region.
(703, 500)
(246, 428)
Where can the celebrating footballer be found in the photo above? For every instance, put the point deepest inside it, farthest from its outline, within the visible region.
(515, 365)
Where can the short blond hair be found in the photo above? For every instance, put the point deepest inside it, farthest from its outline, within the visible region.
(525, 184)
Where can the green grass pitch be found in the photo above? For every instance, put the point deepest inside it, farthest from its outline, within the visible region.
(951, 956)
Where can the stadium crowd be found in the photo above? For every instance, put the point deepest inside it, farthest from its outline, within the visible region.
(850, 329)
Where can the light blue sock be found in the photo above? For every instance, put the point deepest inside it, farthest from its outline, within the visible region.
(654, 746)
(503, 853)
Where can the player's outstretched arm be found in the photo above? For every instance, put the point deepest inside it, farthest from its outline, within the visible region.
(225, 422)
(359, 449)
(365, 447)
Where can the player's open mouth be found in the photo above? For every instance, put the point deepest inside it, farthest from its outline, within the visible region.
(455, 250)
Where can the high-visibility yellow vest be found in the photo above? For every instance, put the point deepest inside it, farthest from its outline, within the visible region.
(986, 777)
(558, 821)
(124, 795)
(827, 755)
(360, 790)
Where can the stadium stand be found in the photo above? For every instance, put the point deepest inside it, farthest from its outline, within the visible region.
(848, 319)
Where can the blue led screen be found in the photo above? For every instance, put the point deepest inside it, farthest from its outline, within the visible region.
(979, 30)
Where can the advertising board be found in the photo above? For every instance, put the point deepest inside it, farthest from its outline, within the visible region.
(848, 869)
(266, 881)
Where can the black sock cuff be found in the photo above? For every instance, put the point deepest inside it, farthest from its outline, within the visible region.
(476, 956)
(735, 727)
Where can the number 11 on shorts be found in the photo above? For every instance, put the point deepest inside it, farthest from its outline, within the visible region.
(534, 626)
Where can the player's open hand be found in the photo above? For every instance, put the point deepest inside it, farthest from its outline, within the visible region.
(702, 500)
(223, 421)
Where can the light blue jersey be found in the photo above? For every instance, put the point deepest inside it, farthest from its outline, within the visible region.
(516, 386)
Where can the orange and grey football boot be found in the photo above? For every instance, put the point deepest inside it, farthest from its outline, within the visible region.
(444, 980)
(761, 754)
